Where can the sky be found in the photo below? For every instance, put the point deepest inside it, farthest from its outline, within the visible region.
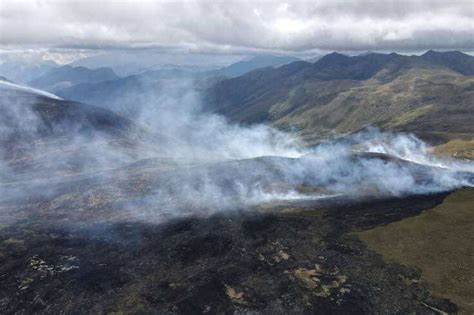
(71, 28)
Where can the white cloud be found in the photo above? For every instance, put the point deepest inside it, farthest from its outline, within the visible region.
(229, 26)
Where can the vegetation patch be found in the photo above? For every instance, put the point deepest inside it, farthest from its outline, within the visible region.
(440, 242)
(406, 117)
(459, 148)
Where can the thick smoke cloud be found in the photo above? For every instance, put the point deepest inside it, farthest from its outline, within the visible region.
(177, 111)
(191, 162)
(230, 26)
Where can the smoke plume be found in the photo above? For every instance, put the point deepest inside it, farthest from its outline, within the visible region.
(177, 160)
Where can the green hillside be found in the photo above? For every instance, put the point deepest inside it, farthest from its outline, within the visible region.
(431, 95)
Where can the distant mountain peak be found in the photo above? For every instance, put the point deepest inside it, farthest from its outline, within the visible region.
(454, 60)
(335, 54)
(430, 53)
(333, 57)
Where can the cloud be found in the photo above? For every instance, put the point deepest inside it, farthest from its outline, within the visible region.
(238, 26)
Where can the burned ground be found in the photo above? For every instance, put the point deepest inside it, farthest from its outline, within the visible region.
(149, 234)
(270, 261)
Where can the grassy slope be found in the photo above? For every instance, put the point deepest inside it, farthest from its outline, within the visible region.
(420, 100)
(440, 241)
(340, 94)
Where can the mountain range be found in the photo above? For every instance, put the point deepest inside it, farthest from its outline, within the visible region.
(428, 94)
(102, 87)
(23, 71)
(66, 76)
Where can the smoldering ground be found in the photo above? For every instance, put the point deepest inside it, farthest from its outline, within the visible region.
(80, 162)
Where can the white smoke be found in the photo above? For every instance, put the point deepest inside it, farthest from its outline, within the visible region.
(194, 162)
(177, 112)
(410, 148)
(10, 85)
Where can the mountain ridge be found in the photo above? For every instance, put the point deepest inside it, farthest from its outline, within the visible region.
(327, 96)
(67, 75)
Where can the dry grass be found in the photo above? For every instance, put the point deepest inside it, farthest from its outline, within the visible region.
(459, 148)
(440, 242)
(419, 100)
(409, 116)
